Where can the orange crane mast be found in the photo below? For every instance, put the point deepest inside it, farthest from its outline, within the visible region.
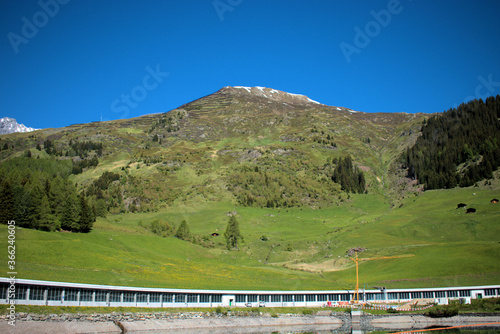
(356, 293)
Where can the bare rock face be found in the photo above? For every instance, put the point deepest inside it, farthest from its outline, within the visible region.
(351, 251)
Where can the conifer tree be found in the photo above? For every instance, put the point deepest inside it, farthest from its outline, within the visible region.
(71, 214)
(86, 220)
(46, 219)
(349, 177)
(232, 233)
(101, 208)
(466, 136)
(57, 196)
(7, 212)
(22, 204)
(36, 195)
(183, 231)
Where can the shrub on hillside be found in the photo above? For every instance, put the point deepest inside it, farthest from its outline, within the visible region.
(442, 312)
(486, 305)
(162, 229)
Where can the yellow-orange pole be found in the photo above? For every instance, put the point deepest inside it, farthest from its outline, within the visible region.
(357, 279)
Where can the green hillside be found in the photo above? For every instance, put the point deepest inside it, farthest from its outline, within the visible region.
(275, 164)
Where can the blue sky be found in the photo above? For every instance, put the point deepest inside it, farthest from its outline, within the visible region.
(73, 61)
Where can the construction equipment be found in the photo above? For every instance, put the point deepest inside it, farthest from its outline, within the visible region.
(355, 299)
(356, 292)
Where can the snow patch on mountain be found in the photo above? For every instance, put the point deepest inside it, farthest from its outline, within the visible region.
(10, 125)
(276, 95)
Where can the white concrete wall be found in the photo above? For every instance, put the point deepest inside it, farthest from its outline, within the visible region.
(228, 300)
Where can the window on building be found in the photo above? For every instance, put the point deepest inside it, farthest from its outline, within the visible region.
(71, 295)
(240, 298)
(154, 297)
(440, 294)
(298, 298)
(404, 295)
(54, 294)
(333, 298)
(416, 295)
(4, 288)
(115, 296)
(392, 296)
(264, 298)
(276, 298)
(374, 296)
(86, 295)
(322, 298)
(129, 297)
(464, 293)
(489, 292)
(427, 294)
(168, 298)
(287, 298)
(100, 296)
(216, 298)
(37, 293)
(192, 298)
(21, 292)
(452, 294)
(252, 298)
(345, 297)
(204, 298)
(142, 297)
(310, 298)
(180, 297)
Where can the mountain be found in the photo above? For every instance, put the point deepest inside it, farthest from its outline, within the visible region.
(308, 183)
(257, 147)
(294, 142)
(251, 146)
(10, 125)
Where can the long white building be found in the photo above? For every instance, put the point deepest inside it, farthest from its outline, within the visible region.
(34, 292)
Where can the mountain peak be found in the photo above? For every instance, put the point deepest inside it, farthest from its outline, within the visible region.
(270, 93)
(10, 125)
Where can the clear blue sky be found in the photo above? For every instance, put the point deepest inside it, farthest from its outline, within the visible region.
(77, 60)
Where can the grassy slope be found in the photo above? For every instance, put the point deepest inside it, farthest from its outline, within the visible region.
(434, 243)
(447, 246)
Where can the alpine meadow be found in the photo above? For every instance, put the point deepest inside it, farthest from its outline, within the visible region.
(254, 188)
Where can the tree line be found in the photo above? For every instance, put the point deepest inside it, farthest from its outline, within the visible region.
(350, 178)
(458, 147)
(37, 194)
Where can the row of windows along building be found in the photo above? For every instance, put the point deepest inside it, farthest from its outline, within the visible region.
(33, 292)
